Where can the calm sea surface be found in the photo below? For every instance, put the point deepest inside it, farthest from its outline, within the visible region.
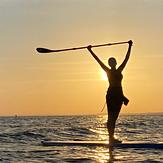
(20, 138)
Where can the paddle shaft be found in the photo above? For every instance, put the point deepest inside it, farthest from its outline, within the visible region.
(44, 50)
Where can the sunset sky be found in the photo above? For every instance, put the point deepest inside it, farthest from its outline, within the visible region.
(72, 82)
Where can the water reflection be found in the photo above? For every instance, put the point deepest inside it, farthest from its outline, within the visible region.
(102, 154)
(105, 154)
(129, 129)
(108, 155)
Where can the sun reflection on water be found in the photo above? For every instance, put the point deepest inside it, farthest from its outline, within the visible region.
(105, 154)
(102, 154)
(101, 129)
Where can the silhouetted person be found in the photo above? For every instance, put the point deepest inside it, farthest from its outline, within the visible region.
(114, 97)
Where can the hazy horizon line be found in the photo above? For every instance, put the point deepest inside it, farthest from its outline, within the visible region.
(142, 113)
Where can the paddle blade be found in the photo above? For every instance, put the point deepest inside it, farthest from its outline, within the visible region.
(44, 50)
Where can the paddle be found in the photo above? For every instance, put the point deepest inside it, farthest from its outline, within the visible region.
(45, 50)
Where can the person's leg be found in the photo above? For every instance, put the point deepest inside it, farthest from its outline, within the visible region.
(113, 113)
(115, 117)
(117, 110)
(111, 127)
(111, 120)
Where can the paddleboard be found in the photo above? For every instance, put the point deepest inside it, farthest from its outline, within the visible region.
(104, 143)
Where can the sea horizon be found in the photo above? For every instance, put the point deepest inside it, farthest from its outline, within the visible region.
(22, 136)
(55, 115)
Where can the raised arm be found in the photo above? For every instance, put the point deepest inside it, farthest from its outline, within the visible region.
(122, 66)
(104, 67)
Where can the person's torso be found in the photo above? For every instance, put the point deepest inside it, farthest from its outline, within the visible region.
(115, 78)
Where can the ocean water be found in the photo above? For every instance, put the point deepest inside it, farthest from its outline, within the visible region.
(20, 138)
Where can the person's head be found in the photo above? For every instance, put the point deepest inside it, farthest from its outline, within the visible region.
(112, 62)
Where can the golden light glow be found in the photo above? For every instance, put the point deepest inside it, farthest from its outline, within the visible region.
(71, 82)
(104, 75)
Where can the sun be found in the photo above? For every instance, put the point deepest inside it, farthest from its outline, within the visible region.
(104, 75)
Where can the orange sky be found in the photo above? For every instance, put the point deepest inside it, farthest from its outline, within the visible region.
(71, 82)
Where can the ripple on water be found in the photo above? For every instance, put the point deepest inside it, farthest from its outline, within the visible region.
(20, 138)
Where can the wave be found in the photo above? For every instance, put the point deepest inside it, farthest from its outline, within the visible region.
(81, 131)
(23, 135)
